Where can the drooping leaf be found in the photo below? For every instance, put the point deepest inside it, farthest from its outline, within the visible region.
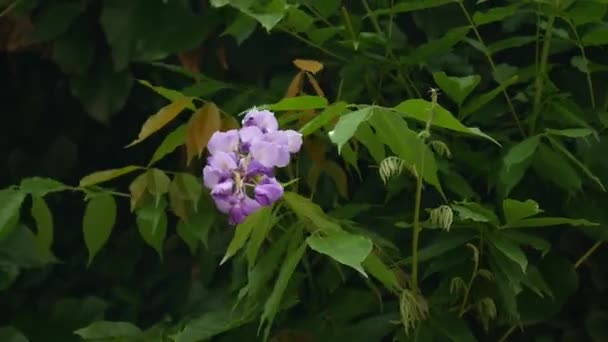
(44, 223)
(243, 231)
(103, 330)
(292, 259)
(309, 212)
(346, 248)
(172, 141)
(204, 122)
(379, 270)
(106, 175)
(161, 118)
(152, 225)
(299, 103)
(458, 88)
(510, 249)
(549, 221)
(11, 200)
(421, 110)
(38, 186)
(98, 222)
(559, 147)
(347, 126)
(515, 210)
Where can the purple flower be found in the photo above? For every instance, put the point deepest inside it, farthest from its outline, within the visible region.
(269, 154)
(294, 141)
(241, 209)
(223, 189)
(268, 191)
(263, 119)
(223, 142)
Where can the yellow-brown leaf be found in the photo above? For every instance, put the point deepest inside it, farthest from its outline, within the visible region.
(161, 118)
(295, 85)
(315, 85)
(308, 65)
(205, 121)
(315, 150)
(229, 123)
(138, 190)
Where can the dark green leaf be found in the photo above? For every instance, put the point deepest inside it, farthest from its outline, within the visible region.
(510, 249)
(549, 221)
(44, 223)
(11, 200)
(480, 101)
(243, 231)
(308, 211)
(376, 267)
(55, 19)
(495, 14)
(98, 221)
(458, 88)
(152, 225)
(172, 141)
(109, 330)
(454, 328)
(10, 334)
(515, 210)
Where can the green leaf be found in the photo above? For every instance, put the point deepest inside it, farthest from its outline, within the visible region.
(103, 91)
(374, 266)
(321, 120)
(347, 126)
(241, 28)
(480, 101)
(169, 94)
(510, 249)
(152, 225)
(188, 187)
(292, 259)
(421, 110)
(243, 231)
(551, 166)
(37, 186)
(268, 14)
(515, 210)
(509, 43)
(103, 330)
(298, 20)
(453, 327)
(495, 14)
(527, 239)
(10, 334)
(106, 175)
(458, 88)
(211, 324)
(157, 183)
(411, 5)
(571, 132)
(73, 51)
(11, 200)
(549, 221)
(370, 140)
(308, 211)
(44, 223)
(345, 248)
(442, 245)
(258, 235)
(172, 141)
(185, 232)
(436, 47)
(299, 103)
(54, 20)
(475, 212)
(98, 221)
(405, 144)
(515, 164)
(597, 37)
(558, 146)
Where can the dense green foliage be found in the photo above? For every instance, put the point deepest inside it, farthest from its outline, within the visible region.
(450, 186)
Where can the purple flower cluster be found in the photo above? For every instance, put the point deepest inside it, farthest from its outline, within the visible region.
(240, 166)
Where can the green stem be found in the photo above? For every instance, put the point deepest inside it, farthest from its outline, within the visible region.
(417, 229)
(581, 47)
(492, 66)
(313, 44)
(541, 74)
(587, 254)
(467, 291)
(507, 333)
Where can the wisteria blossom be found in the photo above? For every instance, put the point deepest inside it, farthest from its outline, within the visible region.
(241, 163)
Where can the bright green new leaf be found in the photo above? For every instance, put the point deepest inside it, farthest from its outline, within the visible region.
(299, 103)
(44, 223)
(421, 110)
(98, 221)
(106, 175)
(243, 231)
(321, 120)
(549, 221)
(308, 211)
(38, 186)
(11, 200)
(510, 249)
(172, 141)
(152, 225)
(104, 330)
(347, 126)
(515, 210)
(458, 88)
(346, 248)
